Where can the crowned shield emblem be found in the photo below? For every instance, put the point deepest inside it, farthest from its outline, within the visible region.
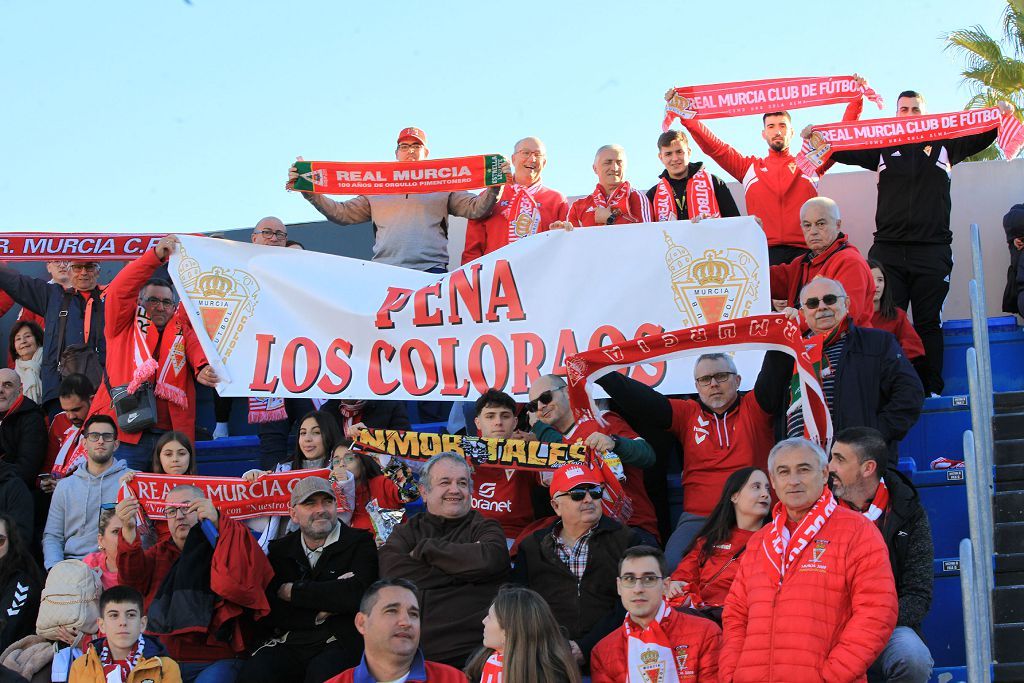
(225, 297)
(652, 669)
(720, 284)
(682, 106)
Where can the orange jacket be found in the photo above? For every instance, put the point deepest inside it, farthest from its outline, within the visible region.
(829, 618)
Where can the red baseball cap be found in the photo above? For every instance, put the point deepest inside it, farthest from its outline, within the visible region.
(414, 134)
(568, 477)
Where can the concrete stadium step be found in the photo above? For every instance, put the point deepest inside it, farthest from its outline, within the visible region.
(1009, 537)
(1008, 506)
(1009, 401)
(1009, 569)
(1009, 642)
(1007, 673)
(1008, 425)
(1008, 604)
(1008, 451)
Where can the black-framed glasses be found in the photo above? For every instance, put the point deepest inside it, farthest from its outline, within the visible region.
(719, 377)
(79, 267)
(154, 301)
(829, 300)
(175, 510)
(647, 580)
(96, 437)
(272, 234)
(545, 398)
(578, 494)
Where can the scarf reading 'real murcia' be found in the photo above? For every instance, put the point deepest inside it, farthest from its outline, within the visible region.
(399, 177)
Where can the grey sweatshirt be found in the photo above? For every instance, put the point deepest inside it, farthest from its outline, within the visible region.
(410, 230)
(73, 522)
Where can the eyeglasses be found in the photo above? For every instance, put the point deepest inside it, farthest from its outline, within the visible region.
(153, 301)
(272, 234)
(96, 437)
(175, 510)
(544, 398)
(61, 265)
(527, 154)
(405, 147)
(79, 267)
(828, 300)
(578, 494)
(647, 580)
(719, 377)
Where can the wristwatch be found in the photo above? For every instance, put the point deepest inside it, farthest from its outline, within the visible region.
(611, 219)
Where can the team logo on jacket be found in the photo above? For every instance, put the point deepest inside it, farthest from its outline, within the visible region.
(683, 107)
(819, 549)
(720, 284)
(225, 297)
(652, 669)
(682, 653)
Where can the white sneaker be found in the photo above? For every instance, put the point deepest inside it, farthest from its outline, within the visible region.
(221, 430)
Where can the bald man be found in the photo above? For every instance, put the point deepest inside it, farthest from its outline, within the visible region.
(22, 428)
(534, 214)
(271, 232)
(613, 201)
(829, 255)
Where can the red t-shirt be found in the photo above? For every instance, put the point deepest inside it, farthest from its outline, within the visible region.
(716, 446)
(504, 496)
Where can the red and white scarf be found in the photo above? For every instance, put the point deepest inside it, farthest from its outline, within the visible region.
(71, 453)
(170, 382)
(773, 332)
(351, 413)
(700, 198)
(619, 199)
(649, 652)
(878, 133)
(523, 213)
(879, 503)
(493, 671)
(782, 548)
(266, 410)
(115, 670)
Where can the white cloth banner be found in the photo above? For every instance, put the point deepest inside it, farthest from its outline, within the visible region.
(286, 322)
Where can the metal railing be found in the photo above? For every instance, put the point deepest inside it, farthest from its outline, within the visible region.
(977, 553)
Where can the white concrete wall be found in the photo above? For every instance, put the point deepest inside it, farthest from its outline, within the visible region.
(982, 193)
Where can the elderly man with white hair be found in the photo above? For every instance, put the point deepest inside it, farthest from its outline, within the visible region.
(456, 557)
(830, 255)
(867, 380)
(613, 201)
(814, 597)
(22, 428)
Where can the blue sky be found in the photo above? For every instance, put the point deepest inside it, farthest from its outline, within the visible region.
(166, 116)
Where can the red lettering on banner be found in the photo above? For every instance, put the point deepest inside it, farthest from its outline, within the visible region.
(394, 301)
(337, 365)
(500, 363)
(260, 382)
(526, 364)
(288, 364)
(460, 285)
(504, 294)
(409, 370)
(375, 377)
(421, 316)
(639, 372)
(566, 347)
(450, 386)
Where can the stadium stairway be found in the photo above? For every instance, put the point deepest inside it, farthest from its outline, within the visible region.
(938, 433)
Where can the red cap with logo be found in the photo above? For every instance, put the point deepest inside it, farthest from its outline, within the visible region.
(413, 134)
(568, 477)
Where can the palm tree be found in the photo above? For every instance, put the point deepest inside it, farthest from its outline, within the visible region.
(989, 73)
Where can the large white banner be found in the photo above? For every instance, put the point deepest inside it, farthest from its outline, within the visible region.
(286, 322)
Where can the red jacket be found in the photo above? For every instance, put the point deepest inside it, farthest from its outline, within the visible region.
(842, 262)
(773, 186)
(581, 211)
(422, 672)
(695, 640)
(904, 332)
(120, 313)
(711, 583)
(827, 621)
(384, 491)
(484, 235)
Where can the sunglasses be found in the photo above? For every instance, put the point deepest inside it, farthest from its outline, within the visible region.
(828, 300)
(545, 399)
(577, 495)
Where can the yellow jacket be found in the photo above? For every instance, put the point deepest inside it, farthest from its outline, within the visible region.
(88, 669)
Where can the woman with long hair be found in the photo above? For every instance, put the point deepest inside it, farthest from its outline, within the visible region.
(174, 454)
(522, 642)
(21, 584)
(105, 559)
(893, 319)
(704, 575)
(26, 350)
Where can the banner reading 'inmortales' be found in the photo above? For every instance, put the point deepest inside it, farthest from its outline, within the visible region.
(285, 322)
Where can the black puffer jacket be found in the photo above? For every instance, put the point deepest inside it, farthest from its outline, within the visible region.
(908, 535)
(23, 439)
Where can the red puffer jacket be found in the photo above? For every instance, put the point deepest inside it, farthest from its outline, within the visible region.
(828, 619)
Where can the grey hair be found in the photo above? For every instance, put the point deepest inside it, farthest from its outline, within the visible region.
(828, 204)
(793, 443)
(198, 492)
(607, 148)
(725, 357)
(838, 285)
(450, 456)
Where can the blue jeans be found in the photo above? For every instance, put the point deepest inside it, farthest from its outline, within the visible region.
(905, 659)
(221, 671)
(139, 456)
(686, 530)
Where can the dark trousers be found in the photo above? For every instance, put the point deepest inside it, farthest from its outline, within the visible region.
(784, 253)
(918, 277)
(283, 664)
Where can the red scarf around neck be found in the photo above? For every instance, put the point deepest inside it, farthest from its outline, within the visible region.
(524, 213)
(700, 198)
(783, 549)
(649, 651)
(879, 504)
(173, 372)
(493, 671)
(114, 667)
(619, 199)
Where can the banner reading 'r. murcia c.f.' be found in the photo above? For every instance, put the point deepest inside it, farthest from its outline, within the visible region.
(285, 322)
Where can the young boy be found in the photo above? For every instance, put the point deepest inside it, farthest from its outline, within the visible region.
(125, 655)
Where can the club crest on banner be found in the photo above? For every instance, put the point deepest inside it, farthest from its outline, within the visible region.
(316, 177)
(818, 146)
(652, 669)
(681, 106)
(226, 299)
(719, 285)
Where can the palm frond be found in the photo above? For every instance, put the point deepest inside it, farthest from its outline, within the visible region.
(975, 45)
(1013, 25)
